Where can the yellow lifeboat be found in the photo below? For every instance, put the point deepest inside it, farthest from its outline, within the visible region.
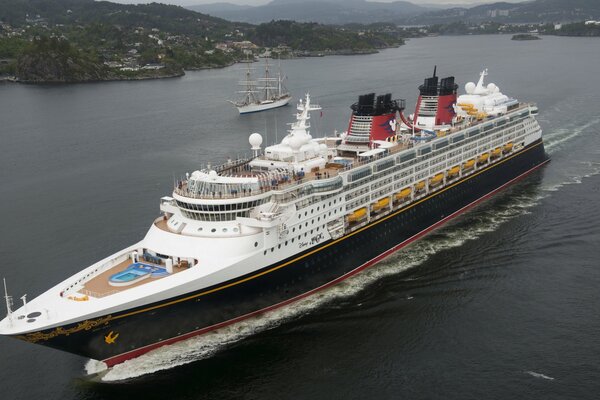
(436, 180)
(357, 215)
(420, 186)
(469, 164)
(483, 158)
(508, 147)
(402, 194)
(465, 105)
(453, 171)
(472, 112)
(496, 152)
(381, 203)
(481, 115)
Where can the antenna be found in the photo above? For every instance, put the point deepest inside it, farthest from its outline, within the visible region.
(9, 302)
(434, 70)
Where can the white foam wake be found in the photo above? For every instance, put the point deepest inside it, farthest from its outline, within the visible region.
(555, 139)
(539, 375)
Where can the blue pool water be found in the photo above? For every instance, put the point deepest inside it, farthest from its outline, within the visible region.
(136, 271)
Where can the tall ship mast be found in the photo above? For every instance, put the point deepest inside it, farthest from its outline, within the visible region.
(266, 93)
(238, 239)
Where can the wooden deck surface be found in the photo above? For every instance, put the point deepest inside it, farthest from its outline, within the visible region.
(99, 286)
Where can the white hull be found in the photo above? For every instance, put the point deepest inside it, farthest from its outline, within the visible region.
(250, 108)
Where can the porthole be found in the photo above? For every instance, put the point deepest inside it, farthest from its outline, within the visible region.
(279, 246)
(224, 230)
(235, 229)
(200, 229)
(213, 230)
(255, 244)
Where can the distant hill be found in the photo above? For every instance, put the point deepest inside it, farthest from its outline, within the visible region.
(321, 11)
(406, 13)
(174, 19)
(525, 12)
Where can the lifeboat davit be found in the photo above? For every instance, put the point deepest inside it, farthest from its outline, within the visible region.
(436, 180)
(483, 158)
(452, 172)
(381, 203)
(357, 215)
(401, 195)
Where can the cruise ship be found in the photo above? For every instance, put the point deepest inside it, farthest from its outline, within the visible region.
(251, 235)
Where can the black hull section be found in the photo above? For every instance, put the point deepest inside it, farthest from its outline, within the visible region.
(140, 330)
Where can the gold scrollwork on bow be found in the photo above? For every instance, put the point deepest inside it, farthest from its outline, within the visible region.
(85, 325)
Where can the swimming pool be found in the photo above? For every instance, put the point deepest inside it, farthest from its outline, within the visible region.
(135, 273)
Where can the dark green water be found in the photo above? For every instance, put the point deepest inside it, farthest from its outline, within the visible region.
(503, 303)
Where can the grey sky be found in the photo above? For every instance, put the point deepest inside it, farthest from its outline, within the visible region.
(260, 2)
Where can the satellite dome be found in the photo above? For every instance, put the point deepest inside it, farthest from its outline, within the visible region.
(255, 141)
(295, 143)
(470, 87)
(213, 175)
(492, 88)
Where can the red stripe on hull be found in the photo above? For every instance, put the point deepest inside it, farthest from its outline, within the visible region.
(142, 350)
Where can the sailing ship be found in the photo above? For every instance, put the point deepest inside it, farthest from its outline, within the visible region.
(262, 94)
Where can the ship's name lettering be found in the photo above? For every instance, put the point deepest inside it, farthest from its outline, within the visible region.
(313, 240)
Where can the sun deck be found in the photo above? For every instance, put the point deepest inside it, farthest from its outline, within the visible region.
(99, 285)
(276, 179)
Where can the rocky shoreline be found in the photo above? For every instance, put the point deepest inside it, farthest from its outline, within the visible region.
(42, 76)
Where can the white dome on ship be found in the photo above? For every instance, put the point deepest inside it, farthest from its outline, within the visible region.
(213, 175)
(295, 143)
(470, 87)
(255, 141)
(492, 87)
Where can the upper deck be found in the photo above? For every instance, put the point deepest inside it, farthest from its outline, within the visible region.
(239, 179)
